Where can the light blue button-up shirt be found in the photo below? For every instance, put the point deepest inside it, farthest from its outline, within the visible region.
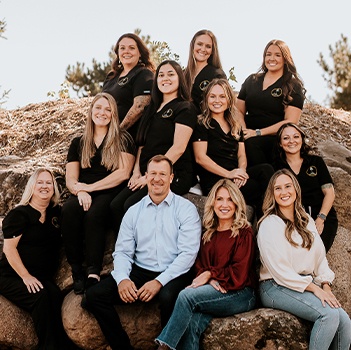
(163, 238)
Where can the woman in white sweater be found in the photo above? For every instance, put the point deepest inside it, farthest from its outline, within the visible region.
(294, 274)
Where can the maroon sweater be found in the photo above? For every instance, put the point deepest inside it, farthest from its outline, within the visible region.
(230, 260)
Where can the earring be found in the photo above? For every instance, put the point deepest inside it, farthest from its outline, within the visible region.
(119, 63)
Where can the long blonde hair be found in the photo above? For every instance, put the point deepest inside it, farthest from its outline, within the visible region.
(229, 114)
(301, 219)
(210, 219)
(29, 189)
(213, 60)
(115, 140)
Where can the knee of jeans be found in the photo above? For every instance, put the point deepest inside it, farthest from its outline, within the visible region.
(330, 315)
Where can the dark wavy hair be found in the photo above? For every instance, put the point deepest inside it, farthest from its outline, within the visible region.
(157, 98)
(290, 75)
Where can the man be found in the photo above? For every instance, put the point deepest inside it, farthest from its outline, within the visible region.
(157, 245)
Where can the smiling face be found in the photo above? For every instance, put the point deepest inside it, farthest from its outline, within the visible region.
(217, 100)
(202, 48)
(43, 188)
(101, 113)
(291, 140)
(274, 60)
(224, 206)
(284, 192)
(128, 53)
(168, 80)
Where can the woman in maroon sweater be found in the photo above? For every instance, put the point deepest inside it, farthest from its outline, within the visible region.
(225, 278)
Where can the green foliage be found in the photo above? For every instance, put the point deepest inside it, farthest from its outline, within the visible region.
(338, 75)
(5, 94)
(2, 28)
(87, 81)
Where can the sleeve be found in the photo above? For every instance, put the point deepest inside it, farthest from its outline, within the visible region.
(244, 88)
(74, 150)
(15, 223)
(186, 114)
(200, 133)
(123, 256)
(189, 233)
(219, 73)
(129, 145)
(275, 256)
(322, 172)
(143, 83)
(298, 97)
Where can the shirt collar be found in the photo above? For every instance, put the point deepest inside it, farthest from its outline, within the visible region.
(167, 200)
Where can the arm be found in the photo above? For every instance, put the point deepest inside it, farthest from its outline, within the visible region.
(241, 111)
(182, 134)
(135, 112)
(137, 180)
(328, 200)
(10, 250)
(72, 176)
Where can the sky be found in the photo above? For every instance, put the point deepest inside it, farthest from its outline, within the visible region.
(45, 36)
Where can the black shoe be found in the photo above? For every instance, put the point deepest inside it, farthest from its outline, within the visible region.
(78, 284)
(91, 281)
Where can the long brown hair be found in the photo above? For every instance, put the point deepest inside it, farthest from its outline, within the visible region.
(229, 114)
(301, 218)
(213, 60)
(210, 219)
(290, 75)
(115, 140)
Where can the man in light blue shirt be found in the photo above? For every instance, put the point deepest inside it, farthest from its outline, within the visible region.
(157, 245)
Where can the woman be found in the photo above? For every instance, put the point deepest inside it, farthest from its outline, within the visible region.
(31, 254)
(225, 277)
(204, 65)
(165, 129)
(269, 99)
(98, 165)
(130, 80)
(316, 184)
(295, 275)
(219, 146)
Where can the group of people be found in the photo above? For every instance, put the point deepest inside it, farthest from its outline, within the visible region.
(150, 135)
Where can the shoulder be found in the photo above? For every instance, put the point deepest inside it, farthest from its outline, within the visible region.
(268, 222)
(183, 204)
(76, 141)
(145, 73)
(246, 233)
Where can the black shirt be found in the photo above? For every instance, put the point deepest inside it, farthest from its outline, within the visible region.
(160, 135)
(265, 107)
(205, 76)
(222, 148)
(39, 245)
(124, 89)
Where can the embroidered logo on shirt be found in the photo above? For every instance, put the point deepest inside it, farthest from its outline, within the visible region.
(276, 92)
(55, 222)
(167, 113)
(203, 85)
(311, 171)
(123, 81)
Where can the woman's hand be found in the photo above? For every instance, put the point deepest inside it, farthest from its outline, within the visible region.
(249, 133)
(80, 186)
(201, 280)
(327, 296)
(239, 176)
(32, 284)
(84, 199)
(137, 183)
(319, 224)
(215, 284)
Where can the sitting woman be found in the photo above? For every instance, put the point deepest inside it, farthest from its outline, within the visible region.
(225, 276)
(98, 165)
(219, 146)
(32, 241)
(204, 65)
(295, 276)
(267, 100)
(316, 184)
(166, 128)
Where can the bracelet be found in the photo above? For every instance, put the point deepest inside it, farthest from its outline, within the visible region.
(322, 216)
(326, 282)
(258, 132)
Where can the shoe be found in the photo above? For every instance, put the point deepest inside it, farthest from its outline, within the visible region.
(91, 281)
(78, 284)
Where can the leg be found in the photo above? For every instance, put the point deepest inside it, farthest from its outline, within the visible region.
(100, 300)
(207, 300)
(259, 150)
(342, 338)
(307, 306)
(330, 229)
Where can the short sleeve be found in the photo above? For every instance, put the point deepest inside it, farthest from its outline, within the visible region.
(298, 97)
(186, 115)
(15, 223)
(74, 150)
(243, 91)
(200, 133)
(323, 172)
(129, 145)
(143, 83)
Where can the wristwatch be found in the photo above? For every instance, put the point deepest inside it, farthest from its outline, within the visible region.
(326, 282)
(322, 216)
(258, 132)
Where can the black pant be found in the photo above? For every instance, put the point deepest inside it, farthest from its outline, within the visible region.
(44, 307)
(259, 149)
(101, 298)
(79, 226)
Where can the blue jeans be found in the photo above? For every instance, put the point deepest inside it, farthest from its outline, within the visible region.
(195, 308)
(332, 327)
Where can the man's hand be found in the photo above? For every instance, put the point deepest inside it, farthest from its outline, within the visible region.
(149, 290)
(127, 291)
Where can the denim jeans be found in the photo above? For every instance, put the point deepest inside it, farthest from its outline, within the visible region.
(332, 327)
(195, 308)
